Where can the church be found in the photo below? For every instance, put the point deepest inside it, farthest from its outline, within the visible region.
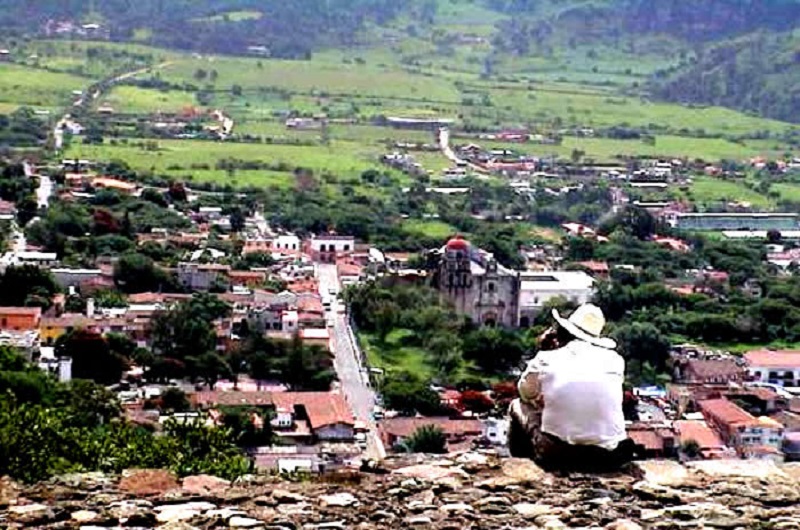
(492, 295)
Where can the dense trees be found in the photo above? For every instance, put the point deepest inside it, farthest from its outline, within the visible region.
(76, 427)
(27, 285)
(92, 357)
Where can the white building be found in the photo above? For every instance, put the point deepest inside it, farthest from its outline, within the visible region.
(328, 247)
(779, 367)
(41, 259)
(287, 242)
(538, 288)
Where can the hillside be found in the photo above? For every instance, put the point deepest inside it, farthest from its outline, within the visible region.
(757, 73)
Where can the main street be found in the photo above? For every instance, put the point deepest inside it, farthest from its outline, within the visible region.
(353, 377)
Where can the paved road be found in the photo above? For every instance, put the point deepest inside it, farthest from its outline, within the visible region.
(352, 377)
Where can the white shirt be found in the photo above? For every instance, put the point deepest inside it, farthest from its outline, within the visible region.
(581, 386)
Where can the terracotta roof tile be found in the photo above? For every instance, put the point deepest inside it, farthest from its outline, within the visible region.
(773, 358)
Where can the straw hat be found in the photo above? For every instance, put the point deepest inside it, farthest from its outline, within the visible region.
(586, 323)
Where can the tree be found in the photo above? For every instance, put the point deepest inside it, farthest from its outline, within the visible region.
(174, 399)
(210, 367)
(774, 236)
(91, 356)
(237, 221)
(91, 404)
(690, 448)
(493, 349)
(643, 343)
(27, 285)
(407, 394)
(427, 439)
(136, 273)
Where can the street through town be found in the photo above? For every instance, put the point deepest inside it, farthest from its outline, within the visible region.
(353, 378)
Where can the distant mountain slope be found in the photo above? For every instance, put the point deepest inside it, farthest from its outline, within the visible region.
(759, 73)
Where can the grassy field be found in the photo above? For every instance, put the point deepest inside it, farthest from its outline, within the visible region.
(176, 157)
(433, 229)
(708, 189)
(21, 85)
(789, 192)
(135, 100)
(393, 356)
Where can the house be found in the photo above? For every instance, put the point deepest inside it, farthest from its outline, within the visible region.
(751, 437)
(246, 278)
(538, 288)
(734, 221)
(349, 273)
(327, 414)
(20, 318)
(39, 259)
(328, 248)
(709, 444)
(74, 277)
(319, 337)
(710, 371)
(126, 188)
(780, 367)
(597, 269)
(258, 245)
(651, 441)
(459, 432)
(287, 243)
(201, 276)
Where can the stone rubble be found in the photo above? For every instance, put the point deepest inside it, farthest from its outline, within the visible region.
(470, 491)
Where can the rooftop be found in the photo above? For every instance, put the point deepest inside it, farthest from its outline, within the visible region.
(700, 432)
(726, 412)
(773, 359)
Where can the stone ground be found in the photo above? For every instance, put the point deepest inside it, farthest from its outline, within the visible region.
(457, 492)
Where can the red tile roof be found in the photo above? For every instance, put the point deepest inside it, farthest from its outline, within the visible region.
(773, 358)
(700, 432)
(403, 427)
(232, 398)
(648, 439)
(598, 267)
(710, 368)
(21, 311)
(323, 408)
(726, 412)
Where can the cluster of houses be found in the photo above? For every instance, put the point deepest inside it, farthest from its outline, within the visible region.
(725, 406)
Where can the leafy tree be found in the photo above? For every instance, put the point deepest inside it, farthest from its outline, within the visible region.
(136, 273)
(427, 439)
(642, 342)
(174, 399)
(210, 367)
(27, 285)
(690, 448)
(408, 395)
(494, 349)
(91, 356)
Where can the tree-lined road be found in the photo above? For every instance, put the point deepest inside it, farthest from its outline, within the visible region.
(353, 378)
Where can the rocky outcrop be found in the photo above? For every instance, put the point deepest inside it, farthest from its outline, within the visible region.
(468, 491)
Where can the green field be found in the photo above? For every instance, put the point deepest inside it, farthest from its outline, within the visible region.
(708, 189)
(393, 356)
(344, 159)
(21, 85)
(789, 192)
(429, 228)
(135, 100)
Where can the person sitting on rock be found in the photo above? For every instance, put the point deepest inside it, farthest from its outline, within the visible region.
(570, 411)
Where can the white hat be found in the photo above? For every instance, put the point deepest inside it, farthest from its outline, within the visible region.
(586, 323)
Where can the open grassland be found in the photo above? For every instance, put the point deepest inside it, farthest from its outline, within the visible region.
(7, 108)
(21, 85)
(429, 228)
(135, 100)
(314, 77)
(709, 190)
(786, 191)
(606, 150)
(393, 356)
(181, 157)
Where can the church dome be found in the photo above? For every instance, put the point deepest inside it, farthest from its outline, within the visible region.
(458, 243)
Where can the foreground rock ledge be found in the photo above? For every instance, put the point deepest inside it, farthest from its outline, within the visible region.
(467, 491)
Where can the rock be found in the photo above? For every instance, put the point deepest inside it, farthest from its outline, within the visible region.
(456, 507)
(30, 514)
(243, 522)
(181, 512)
(338, 499)
(204, 485)
(84, 516)
(700, 510)
(623, 524)
(9, 491)
(418, 521)
(472, 459)
(224, 513)
(287, 497)
(429, 472)
(663, 472)
(760, 469)
(91, 480)
(522, 470)
(532, 511)
(146, 482)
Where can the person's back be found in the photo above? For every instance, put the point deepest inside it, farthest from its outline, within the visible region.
(581, 386)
